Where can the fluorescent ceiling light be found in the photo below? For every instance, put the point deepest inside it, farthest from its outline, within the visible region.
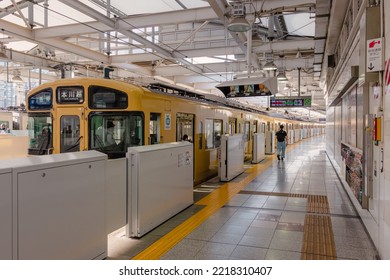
(17, 78)
(3, 57)
(281, 77)
(270, 65)
(256, 40)
(238, 24)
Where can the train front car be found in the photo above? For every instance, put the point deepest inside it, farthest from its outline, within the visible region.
(83, 114)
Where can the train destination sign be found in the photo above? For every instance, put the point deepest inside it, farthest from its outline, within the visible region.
(70, 95)
(290, 102)
(249, 87)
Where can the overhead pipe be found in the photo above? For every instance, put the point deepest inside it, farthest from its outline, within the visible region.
(249, 51)
(299, 81)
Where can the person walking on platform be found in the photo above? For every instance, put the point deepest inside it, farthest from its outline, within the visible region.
(282, 138)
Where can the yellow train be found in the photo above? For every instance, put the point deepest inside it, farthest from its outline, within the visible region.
(110, 116)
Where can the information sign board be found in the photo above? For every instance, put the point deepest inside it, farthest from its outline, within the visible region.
(70, 95)
(290, 102)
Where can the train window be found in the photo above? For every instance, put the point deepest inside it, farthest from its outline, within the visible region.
(4, 126)
(232, 126)
(106, 98)
(255, 126)
(154, 128)
(217, 133)
(41, 101)
(213, 133)
(70, 134)
(200, 143)
(113, 133)
(246, 131)
(184, 126)
(40, 134)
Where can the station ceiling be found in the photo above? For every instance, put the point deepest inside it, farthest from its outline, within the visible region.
(181, 42)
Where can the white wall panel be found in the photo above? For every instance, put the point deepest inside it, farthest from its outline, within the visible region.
(59, 207)
(384, 223)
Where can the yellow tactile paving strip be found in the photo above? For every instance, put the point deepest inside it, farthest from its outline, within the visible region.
(317, 204)
(318, 242)
(212, 202)
(274, 194)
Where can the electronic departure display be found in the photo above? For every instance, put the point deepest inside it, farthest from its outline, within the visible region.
(70, 95)
(41, 100)
(290, 102)
(246, 90)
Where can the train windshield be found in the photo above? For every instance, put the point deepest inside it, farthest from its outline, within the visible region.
(114, 133)
(40, 134)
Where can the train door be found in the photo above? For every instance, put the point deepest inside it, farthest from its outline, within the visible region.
(232, 126)
(154, 128)
(185, 126)
(70, 123)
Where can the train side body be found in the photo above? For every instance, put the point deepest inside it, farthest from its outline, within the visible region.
(165, 118)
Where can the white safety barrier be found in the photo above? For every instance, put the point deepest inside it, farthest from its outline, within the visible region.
(258, 150)
(231, 162)
(57, 207)
(5, 212)
(270, 142)
(160, 184)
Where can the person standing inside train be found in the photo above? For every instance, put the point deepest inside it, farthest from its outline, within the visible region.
(110, 133)
(282, 138)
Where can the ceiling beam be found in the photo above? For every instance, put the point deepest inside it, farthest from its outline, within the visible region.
(26, 34)
(276, 46)
(271, 5)
(129, 22)
(113, 24)
(12, 9)
(234, 67)
(28, 59)
(155, 19)
(75, 4)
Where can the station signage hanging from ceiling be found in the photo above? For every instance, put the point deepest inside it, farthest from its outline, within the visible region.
(288, 102)
(249, 87)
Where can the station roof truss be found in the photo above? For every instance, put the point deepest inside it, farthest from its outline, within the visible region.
(183, 43)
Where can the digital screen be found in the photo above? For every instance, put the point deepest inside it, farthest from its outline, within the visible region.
(245, 90)
(40, 101)
(291, 102)
(70, 95)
